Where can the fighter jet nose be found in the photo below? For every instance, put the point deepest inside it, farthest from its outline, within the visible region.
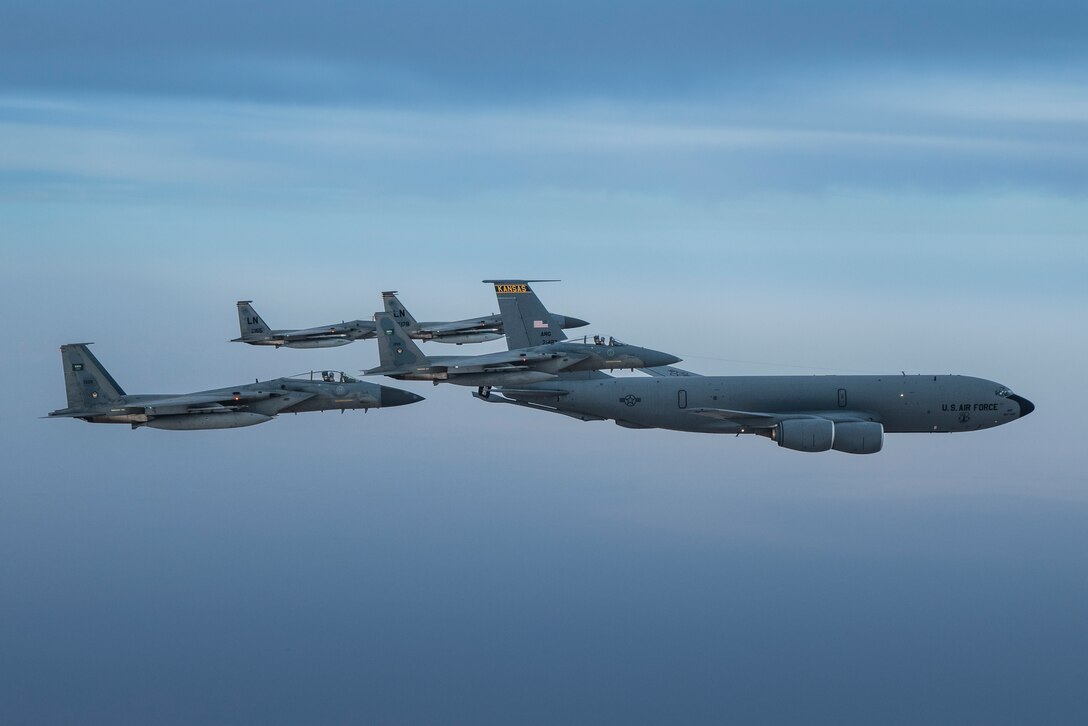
(398, 397)
(569, 322)
(655, 358)
(1026, 406)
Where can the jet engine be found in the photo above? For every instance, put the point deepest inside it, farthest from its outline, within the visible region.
(805, 434)
(859, 437)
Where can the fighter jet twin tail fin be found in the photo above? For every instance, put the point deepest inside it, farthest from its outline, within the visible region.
(525, 319)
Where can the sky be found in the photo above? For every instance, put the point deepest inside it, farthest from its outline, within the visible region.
(759, 188)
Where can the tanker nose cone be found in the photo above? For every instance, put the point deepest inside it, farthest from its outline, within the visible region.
(398, 397)
(1026, 406)
(569, 322)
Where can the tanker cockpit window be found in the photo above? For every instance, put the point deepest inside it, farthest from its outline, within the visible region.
(1003, 392)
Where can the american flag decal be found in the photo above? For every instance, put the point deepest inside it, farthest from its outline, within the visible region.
(539, 324)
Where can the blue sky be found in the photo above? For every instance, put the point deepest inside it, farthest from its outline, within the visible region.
(760, 189)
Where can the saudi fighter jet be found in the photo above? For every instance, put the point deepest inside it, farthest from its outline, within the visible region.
(402, 359)
(94, 396)
(472, 330)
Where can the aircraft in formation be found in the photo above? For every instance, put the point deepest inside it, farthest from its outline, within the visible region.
(538, 350)
(850, 414)
(472, 330)
(255, 331)
(93, 395)
(804, 413)
(544, 371)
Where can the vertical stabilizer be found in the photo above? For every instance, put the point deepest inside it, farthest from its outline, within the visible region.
(249, 322)
(395, 349)
(395, 309)
(524, 318)
(86, 382)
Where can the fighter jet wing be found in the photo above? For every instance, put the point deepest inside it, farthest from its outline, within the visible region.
(307, 335)
(500, 360)
(311, 332)
(211, 402)
(460, 326)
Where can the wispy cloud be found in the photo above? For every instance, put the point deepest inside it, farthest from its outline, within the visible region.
(1038, 100)
(928, 135)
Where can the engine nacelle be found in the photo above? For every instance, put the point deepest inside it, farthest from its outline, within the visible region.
(859, 437)
(805, 434)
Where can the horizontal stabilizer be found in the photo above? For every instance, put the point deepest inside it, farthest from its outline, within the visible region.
(533, 392)
(669, 372)
(67, 413)
(386, 371)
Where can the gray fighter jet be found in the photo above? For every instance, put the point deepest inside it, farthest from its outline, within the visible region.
(94, 396)
(255, 331)
(402, 359)
(804, 413)
(528, 323)
(472, 330)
